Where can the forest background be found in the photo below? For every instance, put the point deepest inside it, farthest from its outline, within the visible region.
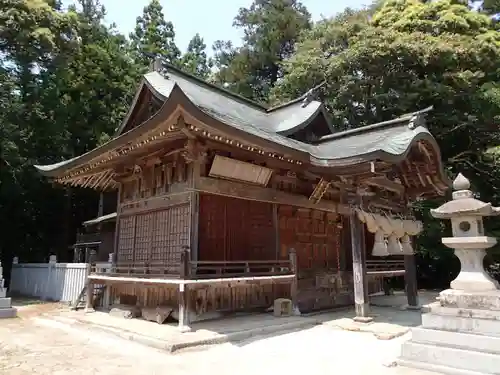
(67, 79)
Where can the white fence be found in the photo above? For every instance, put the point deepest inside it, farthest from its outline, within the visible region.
(51, 281)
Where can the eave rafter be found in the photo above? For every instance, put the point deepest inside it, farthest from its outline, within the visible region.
(421, 171)
(93, 169)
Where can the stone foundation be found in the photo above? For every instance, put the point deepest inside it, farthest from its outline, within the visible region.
(455, 340)
(6, 309)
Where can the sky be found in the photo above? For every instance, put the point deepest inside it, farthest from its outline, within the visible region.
(212, 19)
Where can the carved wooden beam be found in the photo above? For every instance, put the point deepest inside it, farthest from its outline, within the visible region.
(256, 193)
(194, 152)
(384, 183)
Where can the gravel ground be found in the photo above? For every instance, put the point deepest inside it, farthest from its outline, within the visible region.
(38, 347)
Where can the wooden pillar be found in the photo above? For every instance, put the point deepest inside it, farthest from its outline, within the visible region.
(100, 207)
(184, 292)
(294, 287)
(411, 282)
(276, 226)
(361, 299)
(195, 219)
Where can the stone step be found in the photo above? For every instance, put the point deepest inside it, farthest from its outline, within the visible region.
(467, 341)
(485, 363)
(490, 327)
(5, 303)
(436, 368)
(8, 313)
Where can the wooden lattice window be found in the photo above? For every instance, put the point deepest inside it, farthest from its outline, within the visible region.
(177, 232)
(126, 236)
(159, 240)
(143, 237)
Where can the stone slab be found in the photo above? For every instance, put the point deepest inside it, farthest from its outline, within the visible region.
(436, 308)
(481, 326)
(8, 313)
(191, 340)
(431, 367)
(451, 357)
(5, 303)
(489, 300)
(466, 341)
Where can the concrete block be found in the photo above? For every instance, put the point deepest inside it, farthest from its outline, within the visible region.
(282, 307)
(466, 341)
(156, 314)
(5, 303)
(10, 312)
(125, 311)
(485, 363)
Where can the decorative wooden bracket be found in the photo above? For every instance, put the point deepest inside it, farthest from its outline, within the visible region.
(320, 189)
(382, 182)
(194, 152)
(182, 126)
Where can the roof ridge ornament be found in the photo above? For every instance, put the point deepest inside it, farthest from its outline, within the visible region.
(418, 118)
(156, 63)
(311, 94)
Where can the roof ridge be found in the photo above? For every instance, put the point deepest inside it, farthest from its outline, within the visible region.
(383, 124)
(214, 86)
(308, 95)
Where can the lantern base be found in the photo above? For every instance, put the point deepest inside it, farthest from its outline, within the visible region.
(488, 300)
(459, 335)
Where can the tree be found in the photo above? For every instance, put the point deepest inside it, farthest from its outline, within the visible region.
(195, 59)
(271, 29)
(490, 6)
(409, 55)
(153, 34)
(57, 101)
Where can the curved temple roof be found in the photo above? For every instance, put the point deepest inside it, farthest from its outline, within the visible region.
(389, 141)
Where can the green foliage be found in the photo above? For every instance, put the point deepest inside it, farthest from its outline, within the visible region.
(154, 34)
(409, 55)
(195, 59)
(271, 28)
(66, 81)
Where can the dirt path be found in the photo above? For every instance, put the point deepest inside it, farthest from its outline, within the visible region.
(40, 347)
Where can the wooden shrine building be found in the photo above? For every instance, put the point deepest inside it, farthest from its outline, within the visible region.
(226, 205)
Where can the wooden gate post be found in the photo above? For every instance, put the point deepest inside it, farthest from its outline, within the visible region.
(361, 299)
(185, 274)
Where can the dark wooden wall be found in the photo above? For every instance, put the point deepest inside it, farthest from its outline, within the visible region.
(107, 234)
(313, 234)
(235, 229)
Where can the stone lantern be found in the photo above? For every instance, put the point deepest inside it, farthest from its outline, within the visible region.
(466, 214)
(460, 332)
